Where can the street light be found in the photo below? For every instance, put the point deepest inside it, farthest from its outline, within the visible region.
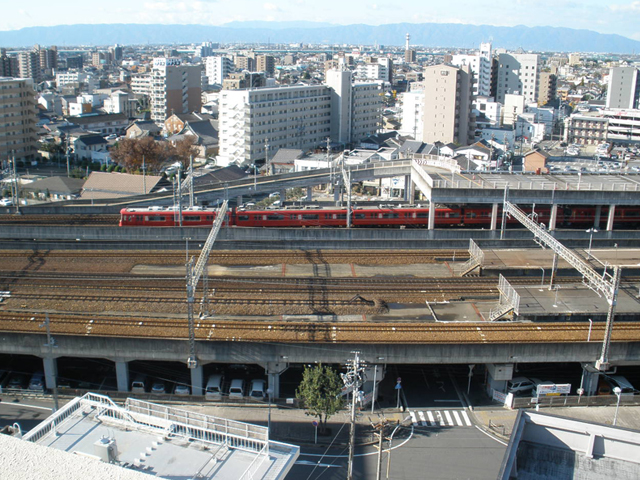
(617, 391)
(542, 280)
(591, 231)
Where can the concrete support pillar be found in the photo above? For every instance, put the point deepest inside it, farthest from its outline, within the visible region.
(50, 372)
(494, 216)
(309, 194)
(283, 195)
(432, 215)
(612, 213)
(122, 376)
(596, 222)
(553, 219)
(379, 186)
(412, 192)
(407, 188)
(239, 200)
(274, 370)
(197, 381)
(336, 193)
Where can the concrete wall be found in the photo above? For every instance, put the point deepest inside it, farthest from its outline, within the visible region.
(127, 349)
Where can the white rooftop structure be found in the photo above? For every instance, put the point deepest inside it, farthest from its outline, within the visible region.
(162, 441)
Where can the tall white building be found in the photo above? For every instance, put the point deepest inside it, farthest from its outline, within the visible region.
(624, 88)
(518, 74)
(217, 68)
(175, 88)
(299, 116)
(141, 84)
(356, 108)
(413, 114)
(480, 65)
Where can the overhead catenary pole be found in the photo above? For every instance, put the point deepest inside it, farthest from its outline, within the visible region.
(144, 175)
(353, 380)
(191, 202)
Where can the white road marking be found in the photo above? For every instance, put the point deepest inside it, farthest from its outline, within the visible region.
(457, 417)
(432, 421)
(449, 419)
(466, 418)
(422, 419)
(414, 420)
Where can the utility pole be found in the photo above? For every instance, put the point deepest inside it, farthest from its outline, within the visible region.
(352, 381)
(379, 431)
(144, 176)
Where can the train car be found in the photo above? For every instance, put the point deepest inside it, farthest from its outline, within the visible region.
(167, 217)
(306, 217)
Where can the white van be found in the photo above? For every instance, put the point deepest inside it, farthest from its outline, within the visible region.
(236, 390)
(257, 389)
(624, 384)
(213, 390)
(139, 384)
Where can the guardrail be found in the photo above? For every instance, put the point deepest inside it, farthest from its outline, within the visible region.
(574, 401)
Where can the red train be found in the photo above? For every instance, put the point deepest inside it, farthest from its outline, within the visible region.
(381, 216)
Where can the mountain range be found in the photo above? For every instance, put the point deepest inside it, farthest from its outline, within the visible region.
(558, 39)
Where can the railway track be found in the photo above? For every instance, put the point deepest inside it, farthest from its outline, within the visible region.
(319, 332)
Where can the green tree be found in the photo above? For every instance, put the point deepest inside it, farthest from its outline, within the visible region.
(320, 392)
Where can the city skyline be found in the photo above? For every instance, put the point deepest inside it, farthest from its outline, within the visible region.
(603, 16)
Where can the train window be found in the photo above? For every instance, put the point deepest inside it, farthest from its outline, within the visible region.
(209, 217)
(359, 216)
(309, 216)
(422, 215)
(192, 218)
(389, 215)
(454, 214)
(471, 215)
(275, 217)
(631, 213)
(243, 218)
(155, 218)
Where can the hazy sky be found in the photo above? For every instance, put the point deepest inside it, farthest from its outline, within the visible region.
(604, 16)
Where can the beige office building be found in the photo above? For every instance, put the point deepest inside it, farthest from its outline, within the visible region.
(448, 94)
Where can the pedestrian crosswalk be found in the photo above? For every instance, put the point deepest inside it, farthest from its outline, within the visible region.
(440, 418)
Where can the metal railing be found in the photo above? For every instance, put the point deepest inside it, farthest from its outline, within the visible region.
(509, 300)
(476, 259)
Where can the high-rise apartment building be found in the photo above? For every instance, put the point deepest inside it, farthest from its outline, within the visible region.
(266, 64)
(29, 65)
(299, 116)
(244, 63)
(8, 65)
(447, 105)
(175, 88)
(481, 65)
(217, 69)
(518, 74)
(18, 137)
(624, 88)
(48, 60)
(356, 108)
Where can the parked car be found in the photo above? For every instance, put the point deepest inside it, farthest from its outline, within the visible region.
(6, 202)
(17, 381)
(37, 382)
(257, 389)
(213, 390)
(181, 389)
(522, 385)
(158, 387)
(236, 389)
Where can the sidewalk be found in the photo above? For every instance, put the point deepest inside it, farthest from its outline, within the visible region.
(294, 426)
